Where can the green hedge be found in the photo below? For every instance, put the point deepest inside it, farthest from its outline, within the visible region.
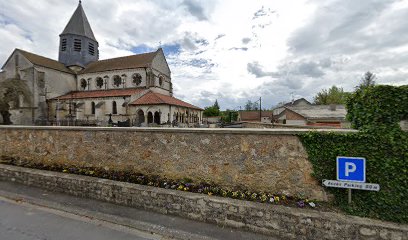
(376, 112)
(386, 163)
(378, 106)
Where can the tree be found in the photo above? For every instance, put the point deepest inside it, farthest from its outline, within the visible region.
(213, 110)
(333, 95)
(216, 104)
(11, 91)
(249, 106)
(229, 115)
(367, 80)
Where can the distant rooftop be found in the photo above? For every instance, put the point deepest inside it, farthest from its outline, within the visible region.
(320, 111)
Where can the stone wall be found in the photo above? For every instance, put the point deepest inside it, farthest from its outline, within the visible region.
(254, 159)
(278, 221)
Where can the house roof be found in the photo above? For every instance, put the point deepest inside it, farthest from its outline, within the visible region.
(296, 102)
(253, 115)
(100, 93)
(293, 103)
(79, 25)
(44, 62)
(320, 112)
(152, 98)
(128, 62)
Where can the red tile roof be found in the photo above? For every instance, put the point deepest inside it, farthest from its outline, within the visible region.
(152, 98)
(128, 62)
(100, 93)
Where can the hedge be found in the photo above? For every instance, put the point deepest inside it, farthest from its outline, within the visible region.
(376, 112)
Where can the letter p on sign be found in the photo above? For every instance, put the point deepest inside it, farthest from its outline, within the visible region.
(351, 169)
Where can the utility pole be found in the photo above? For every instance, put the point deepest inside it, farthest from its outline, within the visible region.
(260, 109)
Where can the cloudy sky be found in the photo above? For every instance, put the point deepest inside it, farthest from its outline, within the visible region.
(232, 50)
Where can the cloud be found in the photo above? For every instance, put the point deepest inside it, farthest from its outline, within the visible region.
(256, 69)
(195, 9)
(246, 40)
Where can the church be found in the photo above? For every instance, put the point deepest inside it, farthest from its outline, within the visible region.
(134, 90)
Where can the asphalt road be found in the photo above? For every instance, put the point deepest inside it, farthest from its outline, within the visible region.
(33, 213)
(22, 221)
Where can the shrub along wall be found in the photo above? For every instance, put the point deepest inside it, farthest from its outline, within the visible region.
(375, 111)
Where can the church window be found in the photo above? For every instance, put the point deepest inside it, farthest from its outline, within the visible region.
(117, 81)
(137, 79)
(93, 108)
(161, 79)
(114, 108)
(99, 82)
(64, 44)
(77, 45)
(91, 49)
(84, 84)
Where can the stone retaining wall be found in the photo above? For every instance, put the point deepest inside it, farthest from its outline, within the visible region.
(279, 221)
(271, 160)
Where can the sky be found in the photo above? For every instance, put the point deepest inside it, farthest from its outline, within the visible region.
(232, 50)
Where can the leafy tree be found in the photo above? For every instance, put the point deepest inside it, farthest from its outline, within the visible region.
(10, 91)
(211, 111)
(249, 106)
(229, 115)
(333, 95)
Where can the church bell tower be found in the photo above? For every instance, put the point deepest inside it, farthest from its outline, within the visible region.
(78, 46)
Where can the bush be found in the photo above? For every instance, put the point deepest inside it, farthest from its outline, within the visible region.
(386, 164)
(376, 112)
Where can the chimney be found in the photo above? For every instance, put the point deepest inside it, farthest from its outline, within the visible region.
(332, 107)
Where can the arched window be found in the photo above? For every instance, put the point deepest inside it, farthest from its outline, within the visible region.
(84, 83)
(114, 108)
(99, 82)
(136, 79)
(117, 81)
(161, 80)
(93, 108)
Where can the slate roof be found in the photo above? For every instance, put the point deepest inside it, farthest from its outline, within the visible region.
(100, 93)
(44, 62)
(128, 62)
(79, 25)
(320, 112)
(253, 115)
(152, 98)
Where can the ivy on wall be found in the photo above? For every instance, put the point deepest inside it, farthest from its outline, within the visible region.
(375, 111)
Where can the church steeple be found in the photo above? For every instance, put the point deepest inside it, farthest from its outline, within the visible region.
(78, 45)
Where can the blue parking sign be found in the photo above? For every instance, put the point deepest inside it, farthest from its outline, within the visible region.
(351, 169)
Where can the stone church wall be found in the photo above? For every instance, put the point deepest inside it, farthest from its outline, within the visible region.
(257, 160)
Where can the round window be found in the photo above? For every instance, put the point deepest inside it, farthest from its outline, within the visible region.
(99, 82)
(137, 79)
(117, 81)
